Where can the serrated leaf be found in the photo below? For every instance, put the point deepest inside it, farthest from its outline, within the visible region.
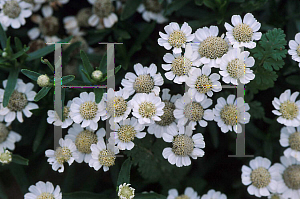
(67, 79)
(124, 174)
(149, 196)
(130, 8)
(20, 53)
(19, 160)
(31, 74)
(3, 37)
(98, 94)
(256, 110)
(42, 93)
(40, 132)
(10, 86)
(85, 195)
(86, 63)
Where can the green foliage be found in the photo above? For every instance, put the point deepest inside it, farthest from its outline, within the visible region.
(124, 175)
(42, 93)
(130, 8)
(19, 160)
(3, 37)
(10, 86)
(31, 74)
(149, 196)
(256, 110)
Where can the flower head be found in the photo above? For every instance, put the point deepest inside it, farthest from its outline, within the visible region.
(290, 137)
(5, 156)
(8, 138)
(152, 10)
(125, 191)
(55, 119)
(212, 194)
(295, 48)
(189, 193)
(42, 190)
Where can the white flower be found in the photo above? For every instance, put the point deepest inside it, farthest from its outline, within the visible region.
(188, 193)
(261, 176)
(5, 156)
(176, 37)
(20, 101)
(147, 108)
(295, 48)
(201, 82)
(83, 139)
(287, 177)
(67, 152)
(167, 119)
(290, 137)
(180, 66)
(55, 119)
(51, 4)
(14, 12)
(103, 155)
(125, 132)
(276, 196)
(184, 145)
(243, 32)
(84, 110)
(71, 26)
(235, 66)
(209, 46)
(125, 191)
(287, 108)
(152, 9)
(8, 138)
(147, 80)
(212, 194)
(102, 11)
(189, 109)
(229, 114)
(114, 105)
(43, 190)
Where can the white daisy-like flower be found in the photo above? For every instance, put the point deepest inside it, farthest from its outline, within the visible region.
(167, 119)
(20, 101)
(124, 133)
(55, 119)
(102, 13)
(125, 191)
(209, 46)
(176, 37)
(228, 114)
(287, 177)
(180, 66)
(51, 4)
(276, 196)
(83, 139)
(34, 6)
(48, 26)
(261, 176)
(67, 152)
(184, 145)
(235, 66)
(71, 26)
(189, 193)
(290, 137)
(243, 32)
(212, 194)
(14, 12)
(152, 10)
(114, 105)
(188, 109)
(8, 138)
(147, 108)
(202, 82)
(146, 80)
(42, 190)
(103, 155)
(84, 110)
(287, 108)
(295, 48)
(5, 156)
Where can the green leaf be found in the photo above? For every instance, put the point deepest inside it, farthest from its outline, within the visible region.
(10, 86)
(130, 8)
(19, 160)
(8, 48)
(46, 61)
(67, 53)
(293, 79)
(149, 196)
(85, 195)
(19, 174)
(2, 188)
(124, 175)
(98, 94)
(3, 37)
(103, 63)
(42, 93)
(67, 79)
(40, 132)
(174, 6)
(87, 75)
(210, 4)
(86, 63)
(31, 74)
(20, 53)
(18, 44)
(256, 110)
(123, 34)
(199, 2)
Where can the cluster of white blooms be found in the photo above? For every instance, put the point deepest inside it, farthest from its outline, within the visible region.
(189, 193)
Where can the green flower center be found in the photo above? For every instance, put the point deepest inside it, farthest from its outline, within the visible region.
(17, 101)
(168, 117)
(143, 84)
(213, 47)
(183, 145)
(117, 106)
(84, 140)
(203, 84)
(260, 177)
(127, 192)
(181, 66)
(152, 5)
(182, 197)
(126, 133)
(177, 39)
(194, 111)
(62, 154)
(12, 9)
(242, 33)
(46, 196)
(3, 132)
(291, 177)
(230, 114)
(107, 158)
(289, 110)
(102, 8)
(147, 109)
(275, 196)
(88, 110)
(294, 141)
(236, 68)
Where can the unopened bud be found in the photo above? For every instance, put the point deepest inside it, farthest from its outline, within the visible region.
(97, 75)
(5, 157)
(43, 81)
(4, 54)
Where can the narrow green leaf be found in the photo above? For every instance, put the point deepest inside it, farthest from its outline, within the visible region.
(2, 188)
(130, 8)
(67, 53)
(87, 76)
(10, 86)
(46, 61)
(86, 63)
(20, 53)
(98, 94)
(124, 175)
(18, 44)
(149, 196)
(8, 48)
(31, 74)
(42, 93)
(19, 160)
(85, 195)
(103, 63)
(293, 79)
(41, 130)
(174, 6)
(67, 79)
(3, 37)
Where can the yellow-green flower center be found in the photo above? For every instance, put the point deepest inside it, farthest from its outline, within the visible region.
(291, 177)
(213, 47)
(230, 114)
(3, 132)
(143, 84)
(117, 106)
(107, 158)
(5, 157)
(242, 33)
(152, 5)
(126, 192)
(147, 109)
(46, 195)
(12, 9)
(182, 197)
(177, 39)
(203, 84)
(181, 66)
(194, 111)
(84, 140)
(83, 16)
(289, 110)
(183, 145)
(17, 101)
(294, 141)
(66, 112)
(275, 196)
(298, 50)
(88, 110)
(126, 133)
(102, 8)
(236, 68)
(260, 177)
(168, 117)
(49, 26)
(62, 154)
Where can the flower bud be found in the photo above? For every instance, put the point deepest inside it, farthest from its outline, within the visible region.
(5, 157)
(97, 75)
(43, 80)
